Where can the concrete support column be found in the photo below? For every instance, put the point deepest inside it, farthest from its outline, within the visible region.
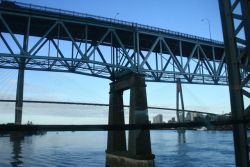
(139, 145)
(20, 79)
(19, 93)
(116, 139)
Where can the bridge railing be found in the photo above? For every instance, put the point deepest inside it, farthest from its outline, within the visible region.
(110, 20)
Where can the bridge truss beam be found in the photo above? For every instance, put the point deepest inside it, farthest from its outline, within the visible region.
(93, 47)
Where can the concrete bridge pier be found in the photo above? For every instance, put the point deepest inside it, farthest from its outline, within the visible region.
(139, 145)
(19, 93)
(139, 152)
(116, 139)
(20, 79)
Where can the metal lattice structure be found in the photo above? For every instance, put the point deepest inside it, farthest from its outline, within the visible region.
(47, 39)
(235, 16)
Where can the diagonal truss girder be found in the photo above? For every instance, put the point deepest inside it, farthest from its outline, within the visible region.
(106, 49)
(235, 16)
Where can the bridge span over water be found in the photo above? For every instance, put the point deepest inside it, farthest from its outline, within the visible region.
(46, 39)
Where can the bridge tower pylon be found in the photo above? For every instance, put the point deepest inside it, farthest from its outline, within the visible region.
(180, 113)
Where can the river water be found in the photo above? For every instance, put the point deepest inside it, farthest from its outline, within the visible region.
(79, 149)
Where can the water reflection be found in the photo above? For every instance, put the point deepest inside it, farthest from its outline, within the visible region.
(181, 136)
(78, 149)
(16, 138)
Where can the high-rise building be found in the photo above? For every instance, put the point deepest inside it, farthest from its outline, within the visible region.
(158, 119)
(190, 116)
(172, 120)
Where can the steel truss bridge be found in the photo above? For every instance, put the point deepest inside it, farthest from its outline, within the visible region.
(47, 39)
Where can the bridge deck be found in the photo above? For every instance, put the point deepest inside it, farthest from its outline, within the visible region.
(104, 47)
(44, 17)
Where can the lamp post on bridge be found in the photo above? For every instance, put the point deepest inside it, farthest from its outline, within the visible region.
(116, 15)
(209, 26)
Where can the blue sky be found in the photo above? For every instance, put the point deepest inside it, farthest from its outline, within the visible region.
(178, 15)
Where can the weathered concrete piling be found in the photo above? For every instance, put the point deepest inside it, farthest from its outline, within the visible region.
(139, 152)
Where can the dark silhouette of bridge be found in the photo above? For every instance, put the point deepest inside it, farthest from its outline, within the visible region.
(129, 54)
(104, 47)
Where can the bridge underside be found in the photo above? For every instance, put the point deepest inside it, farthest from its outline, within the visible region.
(64, 41)
(45, 39)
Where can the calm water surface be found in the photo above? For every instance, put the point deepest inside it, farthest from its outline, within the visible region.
(67, 149)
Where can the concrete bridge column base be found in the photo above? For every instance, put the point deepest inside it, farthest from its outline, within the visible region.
(113, 160)
(138, 153)
(116, 139)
